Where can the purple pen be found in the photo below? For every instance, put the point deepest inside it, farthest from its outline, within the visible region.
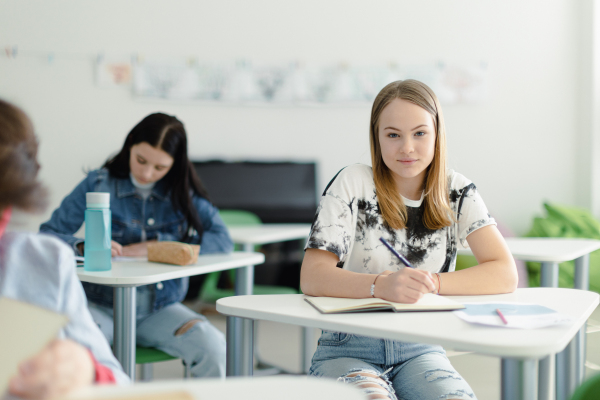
(394, 252)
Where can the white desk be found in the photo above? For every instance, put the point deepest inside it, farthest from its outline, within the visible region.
(126, 276)
(525, 347)
(266, 388)
(268, 233)
(248, 237)
(570, 364)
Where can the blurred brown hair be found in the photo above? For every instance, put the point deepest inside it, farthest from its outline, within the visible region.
(18, 162)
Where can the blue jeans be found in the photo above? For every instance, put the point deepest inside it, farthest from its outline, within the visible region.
(202, 347)
(408, 371)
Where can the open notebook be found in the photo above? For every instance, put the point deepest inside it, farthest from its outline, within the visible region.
(429, 302)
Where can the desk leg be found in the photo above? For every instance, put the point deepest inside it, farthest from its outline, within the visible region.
(247, 348)
(545, 374)
(124, 328)
(308, 336)
(244, 277)
(240, 355)
(243, 333)
(570, 363)
(549, 274)
(232, 350)
(518, 379)
(548, 278)
(582, 272)
(567, 364)
(582, 281)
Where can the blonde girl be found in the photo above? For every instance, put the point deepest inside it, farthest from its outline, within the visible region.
(425, 212)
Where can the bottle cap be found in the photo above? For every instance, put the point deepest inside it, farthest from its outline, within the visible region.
(97, 200)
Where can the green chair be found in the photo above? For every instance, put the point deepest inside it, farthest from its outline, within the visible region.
(146, 356)
(589, 390)
(210, 292)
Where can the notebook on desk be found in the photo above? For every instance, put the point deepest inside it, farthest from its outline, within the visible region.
(336, 305)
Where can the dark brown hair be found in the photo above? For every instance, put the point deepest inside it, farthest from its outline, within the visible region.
(19, 185)
(167, 133)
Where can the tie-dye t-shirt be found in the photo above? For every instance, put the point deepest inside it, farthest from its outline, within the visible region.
(349, 224)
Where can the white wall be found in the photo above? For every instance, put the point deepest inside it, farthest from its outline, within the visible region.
(522, 146)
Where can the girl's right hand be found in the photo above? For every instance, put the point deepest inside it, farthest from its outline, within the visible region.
(405, 286)
(115, 249)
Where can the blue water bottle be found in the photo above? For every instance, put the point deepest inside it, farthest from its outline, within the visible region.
(97, 232)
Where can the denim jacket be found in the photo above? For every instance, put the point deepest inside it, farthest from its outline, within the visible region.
(129, 214)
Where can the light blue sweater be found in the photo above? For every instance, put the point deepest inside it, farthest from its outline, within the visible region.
(40, 269)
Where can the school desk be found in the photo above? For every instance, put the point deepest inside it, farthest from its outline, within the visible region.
(125, 276)
(263, 388)
(523, 348)
(570, 364)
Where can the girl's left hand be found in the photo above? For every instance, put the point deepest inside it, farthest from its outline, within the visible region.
(61, 367)
(136, 249)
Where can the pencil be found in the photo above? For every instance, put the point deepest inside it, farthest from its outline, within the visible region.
(394, 252)
(501, 316)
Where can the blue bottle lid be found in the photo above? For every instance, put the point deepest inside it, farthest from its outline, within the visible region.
(97, 200)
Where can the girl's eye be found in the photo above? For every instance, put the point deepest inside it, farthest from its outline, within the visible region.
(141, 161)
(420, 133)
(393, 135)
(159, 168)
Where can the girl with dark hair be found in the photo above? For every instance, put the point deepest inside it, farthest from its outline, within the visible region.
(38, 269)
(155, 195)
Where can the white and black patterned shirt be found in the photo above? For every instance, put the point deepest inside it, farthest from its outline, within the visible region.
(349, 224)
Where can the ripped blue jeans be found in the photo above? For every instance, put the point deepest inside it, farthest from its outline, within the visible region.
(408, 371)
(202, 347)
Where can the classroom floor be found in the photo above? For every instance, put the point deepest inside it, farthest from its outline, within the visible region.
(276, 346)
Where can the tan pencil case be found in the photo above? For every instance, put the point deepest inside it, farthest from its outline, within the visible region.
(173, 252)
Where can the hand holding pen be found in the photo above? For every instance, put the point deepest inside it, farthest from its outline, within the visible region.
(405, 286)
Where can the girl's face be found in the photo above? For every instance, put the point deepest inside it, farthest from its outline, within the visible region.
(148, 164)
(407, 140)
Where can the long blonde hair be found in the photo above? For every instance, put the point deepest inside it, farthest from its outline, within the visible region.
(437, 212)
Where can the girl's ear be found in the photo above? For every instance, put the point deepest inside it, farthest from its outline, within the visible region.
(5, 219)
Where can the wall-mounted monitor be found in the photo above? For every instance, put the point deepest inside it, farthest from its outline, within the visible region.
(277, 192)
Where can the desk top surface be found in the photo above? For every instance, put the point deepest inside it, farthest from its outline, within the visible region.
(268, 233)
(443, 328)
(547, 249)
(137, 273)
(258, 388)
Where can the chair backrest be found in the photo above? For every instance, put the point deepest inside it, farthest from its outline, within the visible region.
(239, 217)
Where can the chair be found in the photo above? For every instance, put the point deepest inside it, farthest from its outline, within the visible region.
(589, 390)
(146, 356)
(209, 292)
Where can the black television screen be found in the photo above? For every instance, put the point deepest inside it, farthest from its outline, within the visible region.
(275, 191)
